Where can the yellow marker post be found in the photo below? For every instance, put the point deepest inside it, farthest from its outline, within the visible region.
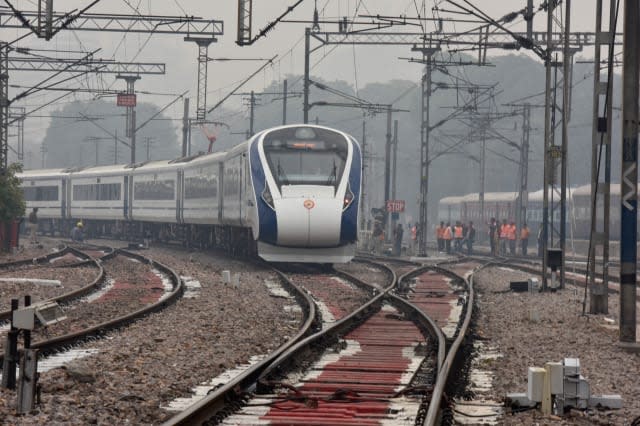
(546, 390)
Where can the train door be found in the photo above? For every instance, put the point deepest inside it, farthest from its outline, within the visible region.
(250, 207)
(179, 197)
(241, 175)
(220, 191)
(63, 198)
(126, 197)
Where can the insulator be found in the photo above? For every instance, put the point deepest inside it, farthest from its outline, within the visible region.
(316, 19)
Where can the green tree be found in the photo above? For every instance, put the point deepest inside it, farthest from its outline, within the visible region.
(12, 205)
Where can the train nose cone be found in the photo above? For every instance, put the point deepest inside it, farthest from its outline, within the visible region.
(309, 221)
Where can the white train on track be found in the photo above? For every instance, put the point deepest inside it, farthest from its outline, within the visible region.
(290, 192)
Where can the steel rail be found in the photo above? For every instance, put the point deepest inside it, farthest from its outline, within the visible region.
(57, 343)
(219, 398)
(67, 297)
(443, 375)
(345, 324)
(580, 283)
(340, 325)
(216, 401)
(445, 361)
(36, 260)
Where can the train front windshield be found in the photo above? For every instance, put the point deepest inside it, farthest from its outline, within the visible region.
(306, 156)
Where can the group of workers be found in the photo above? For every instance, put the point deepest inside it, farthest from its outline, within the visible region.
(502, 237)
(506, 235)
(460, 234)
(379, 238)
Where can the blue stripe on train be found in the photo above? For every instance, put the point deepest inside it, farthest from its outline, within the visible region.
(349, 223)
(266, 215)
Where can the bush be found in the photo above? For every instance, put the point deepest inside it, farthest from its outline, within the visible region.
(12, 205)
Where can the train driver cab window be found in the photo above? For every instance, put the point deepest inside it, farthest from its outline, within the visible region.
(306, 156)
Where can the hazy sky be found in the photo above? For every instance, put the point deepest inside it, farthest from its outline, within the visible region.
(286, 40)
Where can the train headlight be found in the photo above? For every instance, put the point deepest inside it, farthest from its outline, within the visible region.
(266, 196)
(348, 198)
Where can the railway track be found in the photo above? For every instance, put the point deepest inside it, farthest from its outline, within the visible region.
(575, 277)
(67, 258)
(575, 266)
(61, 343)
(80, 329)
(386, 359)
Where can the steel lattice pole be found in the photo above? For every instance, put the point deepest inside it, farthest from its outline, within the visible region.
(629, 178)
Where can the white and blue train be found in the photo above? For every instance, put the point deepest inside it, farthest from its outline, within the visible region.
(290, 192)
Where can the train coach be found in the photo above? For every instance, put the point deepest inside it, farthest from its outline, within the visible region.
(449, 209)
(289, 193)
(503, 205)
(582, 200)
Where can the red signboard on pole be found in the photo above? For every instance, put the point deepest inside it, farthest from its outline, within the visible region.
(126, 99)
(395, 206)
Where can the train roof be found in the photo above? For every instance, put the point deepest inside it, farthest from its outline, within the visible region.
(42, 173)
(206, 158)
(539, 194)
(585, 190)
(150, 166)
(500, 196)
(452, 200)
(240, 147)
(474, 196)
(101, 170)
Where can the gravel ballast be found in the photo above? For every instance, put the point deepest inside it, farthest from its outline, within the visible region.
(164, 356)
(145, 366)
(532, 329)
(71, 279)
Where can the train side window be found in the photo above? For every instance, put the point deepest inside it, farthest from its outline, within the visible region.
(155, 190)
(97, 192)
(40, 193)
(203, 186)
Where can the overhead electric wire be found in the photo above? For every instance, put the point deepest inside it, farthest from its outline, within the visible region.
(92, 121)
(42, 106)
(424, 30)
(405, 93)
(39, 88)
(136, 9)
(28, 92)
(340, 93)
(313, 66)
(180, 7)
(270, 61)
(161, 110)
(524, 42)
(68, 18)
(273, 23)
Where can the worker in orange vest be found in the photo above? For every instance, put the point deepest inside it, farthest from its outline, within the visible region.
(511, 236)
(446, 236)
(458, 235)
(524, 238)
(440, 236)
